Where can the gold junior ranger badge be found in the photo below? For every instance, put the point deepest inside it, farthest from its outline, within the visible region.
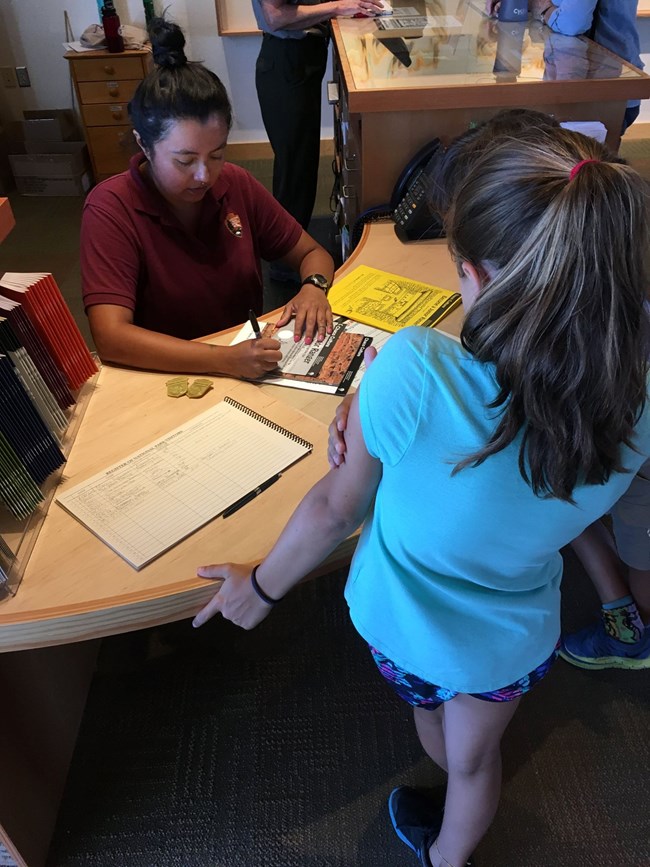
(234, 225)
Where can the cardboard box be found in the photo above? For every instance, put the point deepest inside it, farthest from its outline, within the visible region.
(70, 159)
(63, 172)
(44, 162)
(32, 185)
(55, 125)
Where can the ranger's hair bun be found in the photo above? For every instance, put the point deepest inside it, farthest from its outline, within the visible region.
(167, 43)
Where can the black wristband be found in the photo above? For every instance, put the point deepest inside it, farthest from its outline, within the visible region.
(259, 591)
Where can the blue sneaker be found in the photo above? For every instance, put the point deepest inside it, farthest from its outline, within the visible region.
(416, 816)
(594, 648)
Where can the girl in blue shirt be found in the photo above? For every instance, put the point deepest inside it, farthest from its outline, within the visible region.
(488, 459)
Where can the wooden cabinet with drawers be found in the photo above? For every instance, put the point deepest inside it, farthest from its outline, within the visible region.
(104, 84)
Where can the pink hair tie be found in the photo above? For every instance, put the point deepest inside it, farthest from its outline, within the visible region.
(574, 171)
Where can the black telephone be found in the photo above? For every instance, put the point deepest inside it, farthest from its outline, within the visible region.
(414, 219)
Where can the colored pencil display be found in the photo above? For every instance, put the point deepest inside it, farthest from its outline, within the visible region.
(43, 361)
(44, 304)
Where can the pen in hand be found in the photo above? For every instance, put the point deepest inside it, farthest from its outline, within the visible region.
(250, 496)
(254, 324)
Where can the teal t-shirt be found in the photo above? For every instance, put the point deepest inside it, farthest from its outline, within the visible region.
(456, 578)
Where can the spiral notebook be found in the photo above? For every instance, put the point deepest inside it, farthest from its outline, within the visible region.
(159, 495)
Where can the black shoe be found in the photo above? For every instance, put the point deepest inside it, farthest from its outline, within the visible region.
(415, 816)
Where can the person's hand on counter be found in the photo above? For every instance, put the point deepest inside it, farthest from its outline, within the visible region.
(358, 8)
(336, 431)
(310, 305)
(236, 599)
(492, 7)
(286, 15)
(313, 314)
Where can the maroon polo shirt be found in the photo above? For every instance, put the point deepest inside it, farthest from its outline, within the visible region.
(136, 254)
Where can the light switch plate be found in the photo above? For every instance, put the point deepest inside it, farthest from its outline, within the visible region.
(23, 76)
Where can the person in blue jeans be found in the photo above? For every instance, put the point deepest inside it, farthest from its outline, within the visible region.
(490, 456)
(611, 23)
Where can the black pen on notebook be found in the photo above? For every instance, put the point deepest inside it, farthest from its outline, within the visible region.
(251, 496)
(252, 318)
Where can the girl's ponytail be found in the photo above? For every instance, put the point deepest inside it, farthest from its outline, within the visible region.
(564, 227)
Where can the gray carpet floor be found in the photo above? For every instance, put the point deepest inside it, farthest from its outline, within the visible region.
(278, 747)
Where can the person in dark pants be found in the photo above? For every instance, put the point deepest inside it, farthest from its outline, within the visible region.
(288, 77)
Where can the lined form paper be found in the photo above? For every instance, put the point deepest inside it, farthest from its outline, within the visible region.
(147, 503)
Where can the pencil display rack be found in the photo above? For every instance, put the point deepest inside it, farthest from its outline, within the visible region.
(45, 368)
(18, 537)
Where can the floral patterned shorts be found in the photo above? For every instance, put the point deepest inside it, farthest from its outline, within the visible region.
(421, 693)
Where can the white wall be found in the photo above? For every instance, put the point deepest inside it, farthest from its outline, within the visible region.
(32, 33)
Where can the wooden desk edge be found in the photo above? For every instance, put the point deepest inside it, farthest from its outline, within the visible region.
(142, 612)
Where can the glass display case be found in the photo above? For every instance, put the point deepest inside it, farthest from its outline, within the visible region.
(437, 67)
(453, 44)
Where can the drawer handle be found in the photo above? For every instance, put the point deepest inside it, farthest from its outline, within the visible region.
(113, 88)
(117, 112)
(109, 70)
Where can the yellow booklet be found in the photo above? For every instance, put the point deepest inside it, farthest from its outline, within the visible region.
(388, 301)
